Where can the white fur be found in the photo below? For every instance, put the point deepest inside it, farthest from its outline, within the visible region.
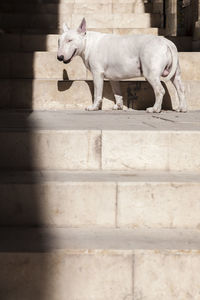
(122, 57)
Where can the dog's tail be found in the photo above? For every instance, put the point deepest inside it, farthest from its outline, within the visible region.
(174, 55)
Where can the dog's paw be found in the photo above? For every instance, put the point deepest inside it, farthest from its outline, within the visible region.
(181, 109)
(153, 110)
(117, 107)
(92, 108)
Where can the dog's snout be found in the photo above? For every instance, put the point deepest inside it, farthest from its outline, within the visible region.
(60, 58)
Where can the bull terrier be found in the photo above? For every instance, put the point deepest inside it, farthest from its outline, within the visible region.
(118, 57)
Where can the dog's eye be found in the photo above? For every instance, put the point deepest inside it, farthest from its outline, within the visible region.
(69, 41)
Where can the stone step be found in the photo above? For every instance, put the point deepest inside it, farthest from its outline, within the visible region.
(58, 31)
(78, 140)
(100, 199)
(19, 22)
(44, 65)
(49, 42)
(47, 94)
(41, 2)
(77, 8)
(103, 264)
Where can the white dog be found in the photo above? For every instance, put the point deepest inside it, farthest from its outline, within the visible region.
(118, 57)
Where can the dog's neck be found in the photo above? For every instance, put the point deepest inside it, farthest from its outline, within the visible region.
(82, 51)
(90, 37)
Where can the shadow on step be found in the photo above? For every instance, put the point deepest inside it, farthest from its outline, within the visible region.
(136, 94)
(20, 204)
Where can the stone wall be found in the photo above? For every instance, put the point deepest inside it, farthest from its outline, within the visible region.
(196, 34)
(181, 17)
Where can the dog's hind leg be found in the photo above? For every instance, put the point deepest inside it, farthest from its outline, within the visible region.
(98, 92)
(159, 92)
(177, 82)
(118, 95)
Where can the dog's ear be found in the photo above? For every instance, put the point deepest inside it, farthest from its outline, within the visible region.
(82, 27)
(65, 27)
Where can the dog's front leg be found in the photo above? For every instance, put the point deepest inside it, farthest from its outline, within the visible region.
(98, 91)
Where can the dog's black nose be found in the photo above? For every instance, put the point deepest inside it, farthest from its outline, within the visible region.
(60, 58)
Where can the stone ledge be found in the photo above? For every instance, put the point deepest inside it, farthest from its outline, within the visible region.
(142, 199)
(46, 66)
(50, 94)
(91, 241)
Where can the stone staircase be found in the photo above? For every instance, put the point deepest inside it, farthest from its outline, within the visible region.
(94, 205)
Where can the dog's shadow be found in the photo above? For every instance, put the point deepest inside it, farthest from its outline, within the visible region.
(64, 84)
(137, 95)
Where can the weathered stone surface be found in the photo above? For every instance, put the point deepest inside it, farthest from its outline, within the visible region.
(58, 95)
(160, 205)
(40, 94)
(45, 65)
(188, 61)
(61, 204)
(52, 21)
(100, 199)
(101, 272)
(61, 275)
(150, 150)
(143, 20)
(54, 149)
(124, 141)
(49, 42)
(172, 275)
(106, 241)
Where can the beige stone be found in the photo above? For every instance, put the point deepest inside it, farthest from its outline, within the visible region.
(144, 20)
(129, 8)
(166, 275)
(58, 95)
(134, 2)
(184, 151)
(135, 150)
(86, 8)
(158, 205)
(150, 150)
(63, 204)
(47, 66)
(62, 95)
(94, 21)
(59, 275)
(93, 1)
(65, 8)
(55, 149)
(50, 94)
(188, 62)
(135, 31)
(71, 199)
(49, 42)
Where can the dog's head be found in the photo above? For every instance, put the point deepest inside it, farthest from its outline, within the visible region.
(71, 42)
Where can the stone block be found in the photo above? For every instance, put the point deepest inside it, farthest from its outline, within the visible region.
(172, 275)
(40, 94)
(61, 204)
(54, 149)
(59, 274)
(144, 150)
(158, 205)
